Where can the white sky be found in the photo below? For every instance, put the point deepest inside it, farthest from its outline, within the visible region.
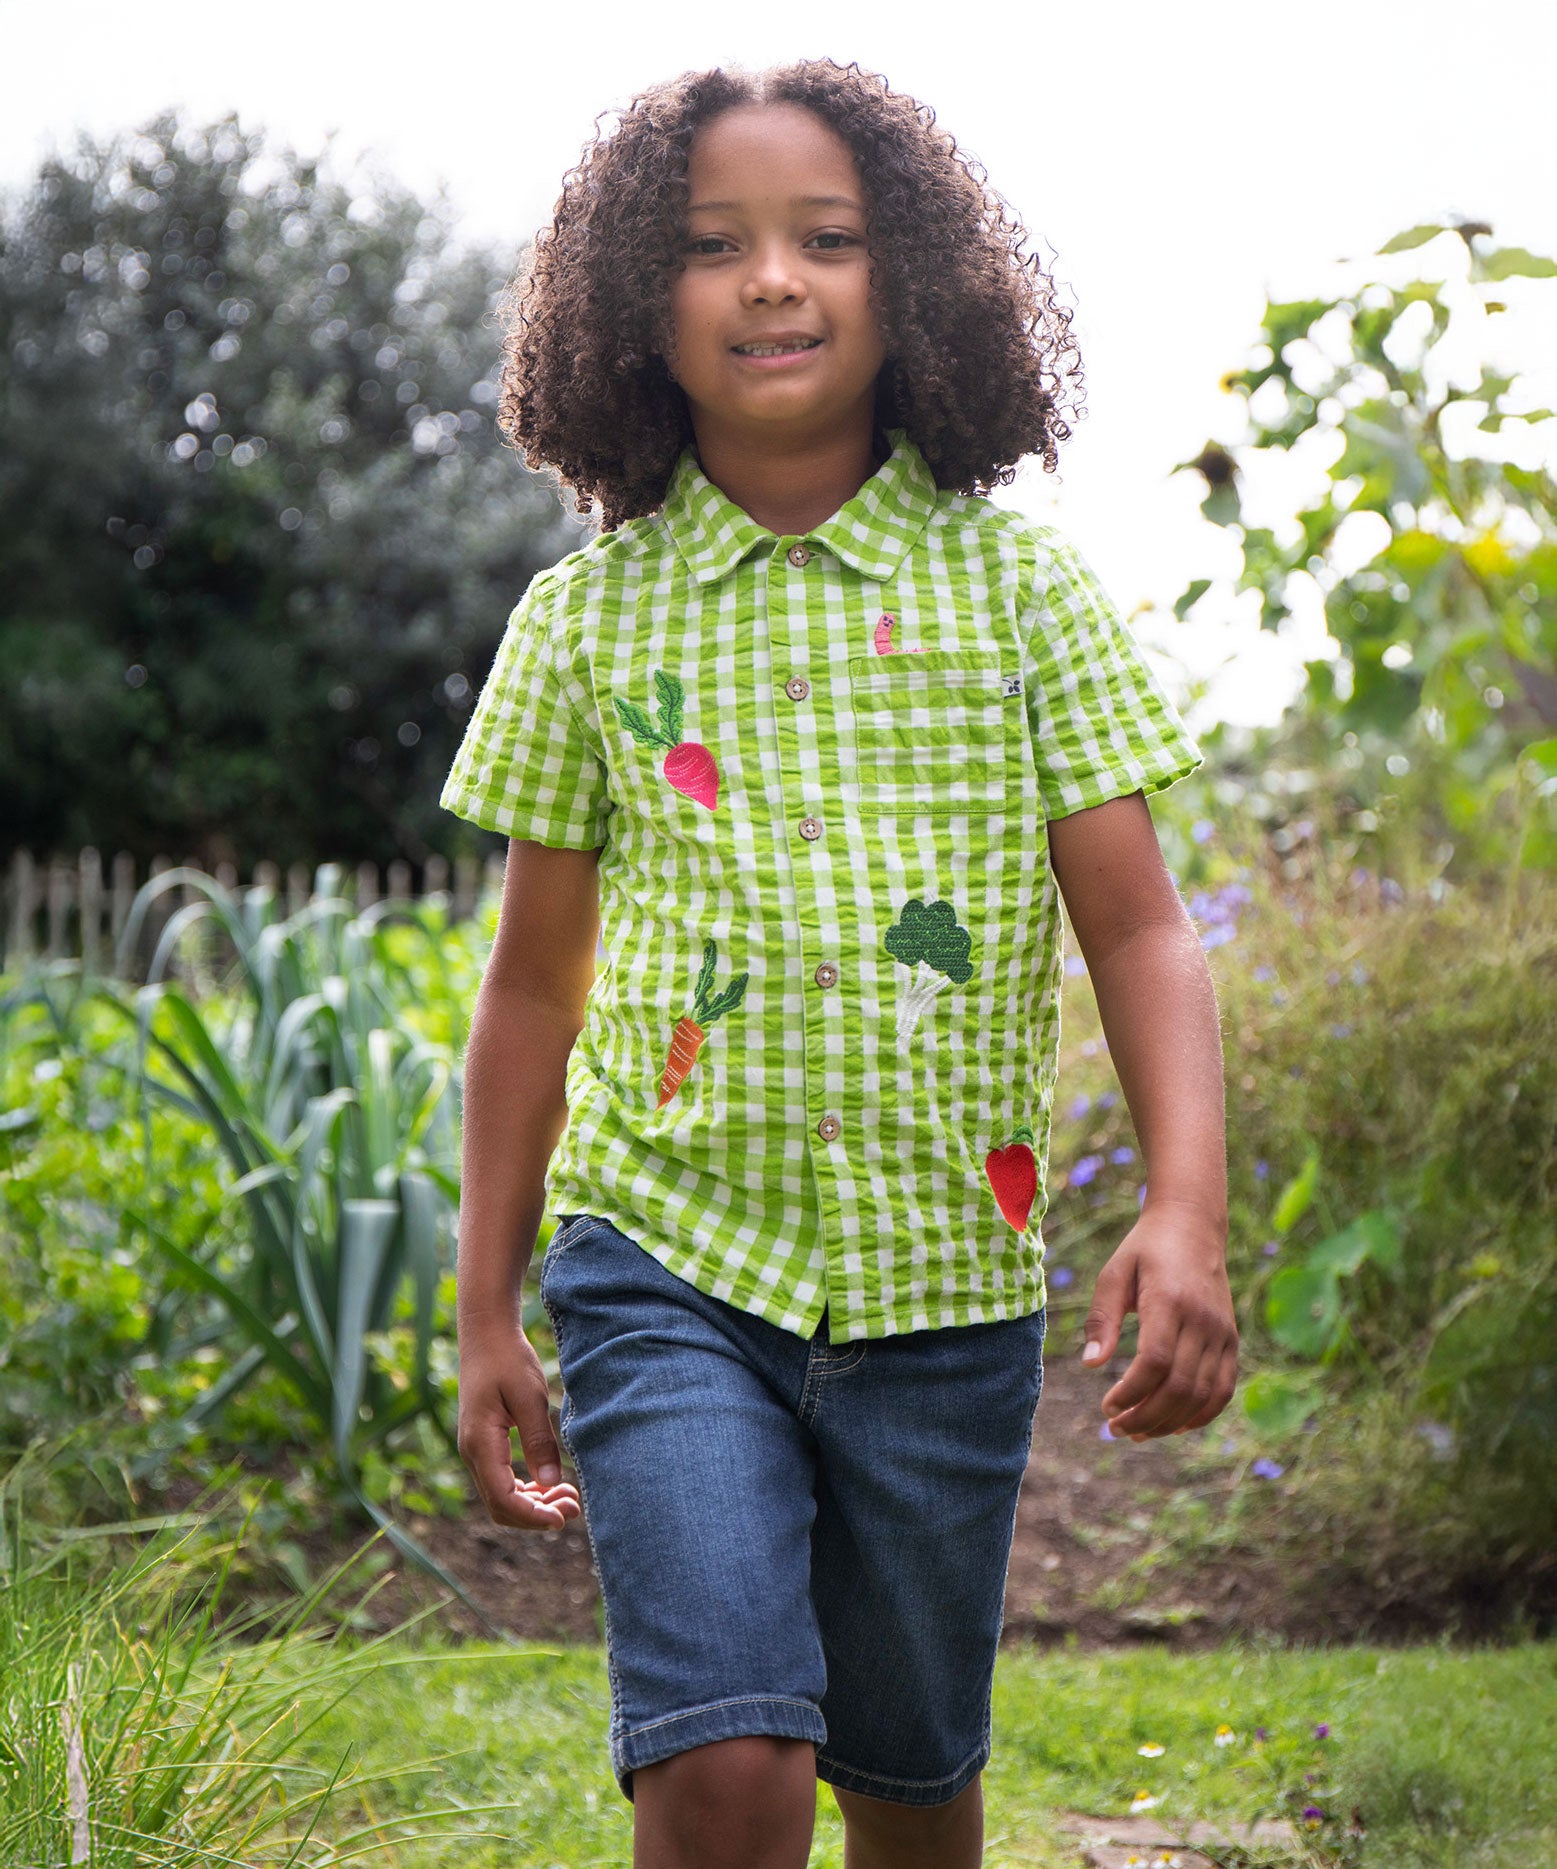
(1175, 165)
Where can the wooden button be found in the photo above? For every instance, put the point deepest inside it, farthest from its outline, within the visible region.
(800, 554)
(826, 974)
(797, 687)
(829, 1128)
(810, 829)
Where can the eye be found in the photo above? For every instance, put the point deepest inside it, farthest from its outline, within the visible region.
(702, 241)
(847, 239)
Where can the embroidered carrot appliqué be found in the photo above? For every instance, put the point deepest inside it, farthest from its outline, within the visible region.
(688, 766)
(926, 937)
(1013, 1175)
(687, 1039)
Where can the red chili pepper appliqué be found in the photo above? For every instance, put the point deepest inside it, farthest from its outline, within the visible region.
(1013, 1175)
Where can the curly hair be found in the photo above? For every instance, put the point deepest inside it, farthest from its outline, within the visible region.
(980, 362)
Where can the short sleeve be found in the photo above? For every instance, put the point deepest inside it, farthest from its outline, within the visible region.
(525, 767)
(1103, 725)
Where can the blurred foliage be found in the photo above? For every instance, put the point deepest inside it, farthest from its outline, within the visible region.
(258, 534)
(1392, 1160)
(1443, 704)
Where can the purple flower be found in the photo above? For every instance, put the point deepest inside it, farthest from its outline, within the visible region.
(1074, 964)
(1264, 1469)
(1261, 1169)
(1264, 973)
(1201, 829)
(1109, 1097)
(1121, 1155)
(1260, 1733)
(1359, 877)
(1060, 1276)
(1079, 1108)
(1390, 890)
(1271, 1248)
(1083, 1170)
(1229, 1447)
(1313, 1813)
(1340, 1031)
(1322, 1730)
(1104, 1434)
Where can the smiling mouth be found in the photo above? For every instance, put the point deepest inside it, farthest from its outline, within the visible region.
(776, 350)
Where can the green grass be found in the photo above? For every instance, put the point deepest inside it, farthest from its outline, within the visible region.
(1442, 1749)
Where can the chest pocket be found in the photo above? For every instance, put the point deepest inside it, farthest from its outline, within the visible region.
(940, 732)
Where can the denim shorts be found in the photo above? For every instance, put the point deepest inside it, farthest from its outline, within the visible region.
(791, 1537)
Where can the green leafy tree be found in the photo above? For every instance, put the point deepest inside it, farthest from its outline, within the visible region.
(258, 534)
(1445, 697)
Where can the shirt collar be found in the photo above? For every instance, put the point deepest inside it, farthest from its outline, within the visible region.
(873, 532)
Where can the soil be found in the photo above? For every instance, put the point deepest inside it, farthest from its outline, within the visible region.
(1089, 1508)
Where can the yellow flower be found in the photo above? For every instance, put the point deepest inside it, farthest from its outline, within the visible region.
(1151, 1750)
(1225, 1735)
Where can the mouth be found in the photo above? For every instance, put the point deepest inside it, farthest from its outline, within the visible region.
(786, 347)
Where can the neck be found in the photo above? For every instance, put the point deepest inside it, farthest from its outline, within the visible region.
(789, 487)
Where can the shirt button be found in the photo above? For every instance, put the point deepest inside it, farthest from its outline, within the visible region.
(800, 554)
(826, 974)
(828, 1128)
(810, 829)
(797, 687)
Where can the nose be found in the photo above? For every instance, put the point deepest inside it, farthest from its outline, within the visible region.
(773, 277)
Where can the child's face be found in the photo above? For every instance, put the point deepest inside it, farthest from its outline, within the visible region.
(772, 264)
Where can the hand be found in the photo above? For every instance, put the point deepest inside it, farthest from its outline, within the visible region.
(503, 1386)
(1170, 1268)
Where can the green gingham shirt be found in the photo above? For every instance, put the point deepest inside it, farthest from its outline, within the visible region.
(819, 1058)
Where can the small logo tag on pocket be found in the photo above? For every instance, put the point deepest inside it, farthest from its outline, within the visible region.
(1013, 684)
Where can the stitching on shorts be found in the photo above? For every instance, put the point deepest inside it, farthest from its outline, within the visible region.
(906, 1784)
(583, 1496)
(714, 1706)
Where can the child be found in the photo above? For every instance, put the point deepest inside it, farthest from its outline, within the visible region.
(818, 730)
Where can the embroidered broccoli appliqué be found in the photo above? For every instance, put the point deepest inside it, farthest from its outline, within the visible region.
(688, 766)
(1013, 1176)
(687, 1039)
(927, 938)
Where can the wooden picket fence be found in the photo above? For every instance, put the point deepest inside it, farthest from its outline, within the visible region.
(71, 909)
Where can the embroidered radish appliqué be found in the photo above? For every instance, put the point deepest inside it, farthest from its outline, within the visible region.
(927, 938)
(1013, 1174)
(687, 1039)
(688, 767)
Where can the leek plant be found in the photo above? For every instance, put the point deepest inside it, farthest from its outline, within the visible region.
(341, 1125)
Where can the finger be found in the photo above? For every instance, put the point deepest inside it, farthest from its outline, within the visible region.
(508, 1500)
(532, 1417)
(1169, 1382)
(1202, 1405)
(1112, 1297)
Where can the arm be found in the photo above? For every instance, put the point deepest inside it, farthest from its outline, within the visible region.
(528, 1012)
(1158, 1007)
